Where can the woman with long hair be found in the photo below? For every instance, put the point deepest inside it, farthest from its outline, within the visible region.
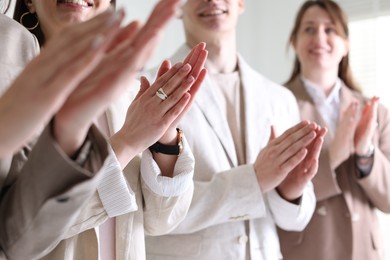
(353, 179)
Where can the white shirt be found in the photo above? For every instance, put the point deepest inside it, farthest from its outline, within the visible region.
(328, 106)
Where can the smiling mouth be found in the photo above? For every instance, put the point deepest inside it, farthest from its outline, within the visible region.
(214, 12)
(76, 2)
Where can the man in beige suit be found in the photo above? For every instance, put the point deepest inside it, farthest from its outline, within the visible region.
(245, 183)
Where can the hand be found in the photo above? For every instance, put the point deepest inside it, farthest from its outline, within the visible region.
(366, 126)
(293, 185)
(196, 58)
(342, 145)
(126, 56)
(283, 154)
(43, 86)
(148, 116)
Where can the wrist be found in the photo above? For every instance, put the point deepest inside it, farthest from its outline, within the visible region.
(170, 149)
(367, 153)
(69, 139)
(124, 151)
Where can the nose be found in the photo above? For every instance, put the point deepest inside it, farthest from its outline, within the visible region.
(321, 35)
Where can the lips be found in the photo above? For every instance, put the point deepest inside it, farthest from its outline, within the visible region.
(213, 11)
(83, 3)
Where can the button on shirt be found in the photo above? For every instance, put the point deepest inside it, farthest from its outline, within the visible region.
(327, 106)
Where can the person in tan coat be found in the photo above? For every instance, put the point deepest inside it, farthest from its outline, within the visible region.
(139, 194)
(354, 169)
(40, 199)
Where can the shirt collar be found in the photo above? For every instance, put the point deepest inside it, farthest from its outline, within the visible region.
(319, 96)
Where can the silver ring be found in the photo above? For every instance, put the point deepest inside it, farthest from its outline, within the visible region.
(161, 94)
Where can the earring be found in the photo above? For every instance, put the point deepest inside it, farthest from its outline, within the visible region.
(32, 27)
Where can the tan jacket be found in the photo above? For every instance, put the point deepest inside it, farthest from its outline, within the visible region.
(156, 214)
(344, 225)
(40, 199)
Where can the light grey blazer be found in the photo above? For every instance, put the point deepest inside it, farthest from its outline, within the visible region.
(42, 197)
(230, 217)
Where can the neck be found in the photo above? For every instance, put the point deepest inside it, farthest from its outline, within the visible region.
(324, 79)
(222, 52)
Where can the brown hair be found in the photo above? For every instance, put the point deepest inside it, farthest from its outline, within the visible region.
(21, 8)
(340, 19)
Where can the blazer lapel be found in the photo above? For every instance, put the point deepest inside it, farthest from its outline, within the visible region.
(252, 113)
(207, 103)
(308, 109)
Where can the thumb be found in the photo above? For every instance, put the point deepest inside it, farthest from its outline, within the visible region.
(273, 133)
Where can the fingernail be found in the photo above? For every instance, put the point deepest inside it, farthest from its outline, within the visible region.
(186, 67)
(190, 79)
(178, 65)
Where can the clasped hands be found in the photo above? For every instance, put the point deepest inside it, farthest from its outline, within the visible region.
(355, 132)
(290, 161)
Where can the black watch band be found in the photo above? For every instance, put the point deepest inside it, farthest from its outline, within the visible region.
(169, 149)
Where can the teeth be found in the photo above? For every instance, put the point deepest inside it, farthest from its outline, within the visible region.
(77, 2)
(214, 12)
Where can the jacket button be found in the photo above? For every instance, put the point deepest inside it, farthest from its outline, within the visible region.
(355, 217)
(321, 211)
(243, 239)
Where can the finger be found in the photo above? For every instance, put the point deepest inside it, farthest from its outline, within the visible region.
(294, 138)
(172, 114)
(295, 147)
(193, 92)
(144, 86)
(272, 134)
(175, 81)
(199, 65)
(198, 83)
(164, 67)
(163, 12)
(193, 56)
(311, 165)
(293, 161)
(290, 131)
(77, 55)
(126, 34)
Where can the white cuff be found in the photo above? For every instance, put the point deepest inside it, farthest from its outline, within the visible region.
(116, 196)
(166, 186)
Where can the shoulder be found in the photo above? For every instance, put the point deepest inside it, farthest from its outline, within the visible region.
(17, 43)
(274, 92)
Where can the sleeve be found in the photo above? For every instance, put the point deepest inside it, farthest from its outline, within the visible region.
(46, 196)
(224, 200)
(377, 184)
(289, 216)
(166, 200)
(286, 215)
(114, 197)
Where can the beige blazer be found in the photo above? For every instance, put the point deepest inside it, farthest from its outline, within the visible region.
(17, 47)
(230, 217)
(344, 225)
(40, 199)
(156, 214)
